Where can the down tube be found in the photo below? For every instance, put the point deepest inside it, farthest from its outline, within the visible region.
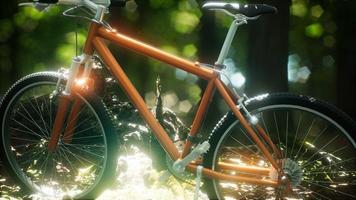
(136, 98)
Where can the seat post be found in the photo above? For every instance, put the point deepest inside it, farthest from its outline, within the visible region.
(228, 40)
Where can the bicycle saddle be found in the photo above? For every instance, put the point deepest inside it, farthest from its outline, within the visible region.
(249, 10)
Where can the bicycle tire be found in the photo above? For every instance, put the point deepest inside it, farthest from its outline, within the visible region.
(105, 176)
(311, 181)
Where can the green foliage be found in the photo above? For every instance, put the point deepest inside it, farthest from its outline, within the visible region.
(317, 11)
(299, 8)
(312, 39)
(32, 41)
(190, 50)
(161, 4)
(184, 22)
(314, 30)
(6, 29)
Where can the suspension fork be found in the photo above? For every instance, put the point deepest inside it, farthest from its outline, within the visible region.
(82, 85)
(65, 100)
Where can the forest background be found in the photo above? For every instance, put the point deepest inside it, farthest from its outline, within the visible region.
(309, 47)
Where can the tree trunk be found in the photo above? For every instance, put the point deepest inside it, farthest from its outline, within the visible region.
(268, 51)
(208, 41)
(345, 58)
(8, 47)
(209, 47)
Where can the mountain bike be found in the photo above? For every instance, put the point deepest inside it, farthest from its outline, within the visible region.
(57, 136)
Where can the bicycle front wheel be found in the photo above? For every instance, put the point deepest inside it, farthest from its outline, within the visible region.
(81, 168)
(316, 139)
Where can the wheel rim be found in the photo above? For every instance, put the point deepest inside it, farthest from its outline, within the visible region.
(326, 157)
(73, 169)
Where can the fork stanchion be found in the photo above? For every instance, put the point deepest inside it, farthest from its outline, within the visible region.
(64, 102)
(83, 86)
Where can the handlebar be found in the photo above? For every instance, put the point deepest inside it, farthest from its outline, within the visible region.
(99, 7)
(91, 4)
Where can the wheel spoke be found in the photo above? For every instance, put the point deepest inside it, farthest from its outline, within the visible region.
(337, 163)
(327, 154)
(32, 132)
(67, 159)
(39, 113)
(314, 192)
(331, 189)
(338, 172)
(49, 111)
(83, 150)
(322, 148)
(264, 124)
(77, 156)
(33, 121)
(253, 152)
(30, 159)
(296, 132)
(79, 124)
(73, 167)
(87, 137)
(23, 139)
(277, 129)
(316, 139)
(305, 137)
(24, 145)
(312, 154)
(84, 130)
(286, 154)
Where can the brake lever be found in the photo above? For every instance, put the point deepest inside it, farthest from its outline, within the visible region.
(38, 6)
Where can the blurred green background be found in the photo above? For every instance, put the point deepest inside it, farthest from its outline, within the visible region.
(309, 47)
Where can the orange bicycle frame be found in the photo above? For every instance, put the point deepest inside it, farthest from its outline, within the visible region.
(96, 42)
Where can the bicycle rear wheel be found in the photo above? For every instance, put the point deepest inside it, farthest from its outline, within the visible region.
(317, 141)
(79, 169)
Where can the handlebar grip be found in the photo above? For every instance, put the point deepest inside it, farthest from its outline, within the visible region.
(118, 3)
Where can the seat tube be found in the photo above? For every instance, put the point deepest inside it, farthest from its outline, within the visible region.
(228, 40)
